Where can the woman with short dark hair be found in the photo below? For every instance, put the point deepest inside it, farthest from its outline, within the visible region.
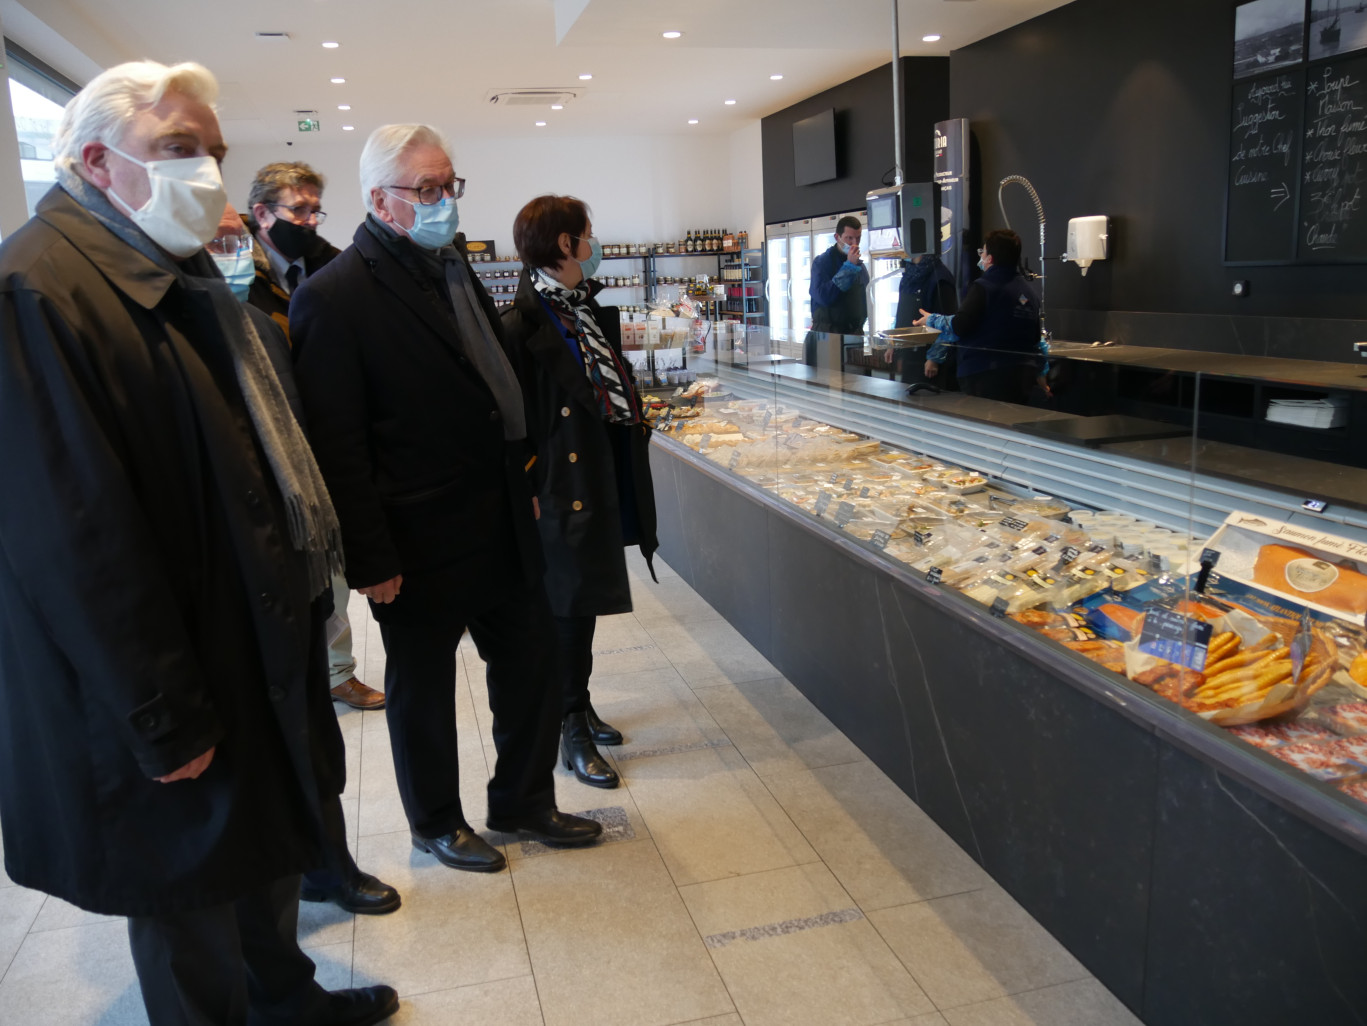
(592, 469)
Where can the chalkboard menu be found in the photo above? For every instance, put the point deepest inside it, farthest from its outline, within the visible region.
(1297, 177)
(1260, 222)
(1333, 213)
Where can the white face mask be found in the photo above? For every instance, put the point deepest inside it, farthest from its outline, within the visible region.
(185, 206)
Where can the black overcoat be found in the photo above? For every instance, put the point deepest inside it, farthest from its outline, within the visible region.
(592, 478)
(150, 602)
(410, 440)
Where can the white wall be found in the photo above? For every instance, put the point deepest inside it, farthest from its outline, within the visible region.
(645, 188)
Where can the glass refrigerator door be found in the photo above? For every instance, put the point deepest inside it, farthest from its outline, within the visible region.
(885, 295)
(777, 286)
(800, 257)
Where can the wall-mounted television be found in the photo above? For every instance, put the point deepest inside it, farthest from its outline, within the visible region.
(814, 148)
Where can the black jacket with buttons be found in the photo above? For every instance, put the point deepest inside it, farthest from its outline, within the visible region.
(592, 478)
(409, 439)
(151, 605)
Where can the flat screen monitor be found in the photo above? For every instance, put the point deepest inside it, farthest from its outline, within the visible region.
(883, 212)
(814, 148)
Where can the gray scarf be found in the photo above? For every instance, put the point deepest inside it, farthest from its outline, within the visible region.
(475, 335)
(313, 525)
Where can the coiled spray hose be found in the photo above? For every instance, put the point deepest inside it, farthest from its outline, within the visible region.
(1024, 182)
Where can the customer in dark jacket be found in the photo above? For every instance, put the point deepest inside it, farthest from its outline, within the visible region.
(997, 328)
(592, 471)
(926, 285)
(418, 423)
(167, 734)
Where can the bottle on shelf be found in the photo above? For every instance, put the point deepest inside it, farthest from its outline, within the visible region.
(688, 242)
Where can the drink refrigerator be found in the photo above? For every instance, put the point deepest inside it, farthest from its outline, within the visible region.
(790, 248)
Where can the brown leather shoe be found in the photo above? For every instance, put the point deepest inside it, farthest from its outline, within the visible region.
(357, 695)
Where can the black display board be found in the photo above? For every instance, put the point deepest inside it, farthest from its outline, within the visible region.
(1333, 212)
(1264, 168)
(1298, 160)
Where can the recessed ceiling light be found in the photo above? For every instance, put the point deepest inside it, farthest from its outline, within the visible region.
(585, 78)
(557, 106)
(692, 121)
(344, 106)
(932, 38)
(541, 124)
(730, 103)
(331, 46)
(337, 81)
(672, 34)
(348, 128)
(774, 78)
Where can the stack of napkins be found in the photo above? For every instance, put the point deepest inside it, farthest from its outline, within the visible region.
(1311, 413)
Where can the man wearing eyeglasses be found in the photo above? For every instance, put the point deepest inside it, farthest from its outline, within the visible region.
(420, 433)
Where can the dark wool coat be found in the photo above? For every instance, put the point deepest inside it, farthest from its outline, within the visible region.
(592, 478)
(410, 439)
(150, 602)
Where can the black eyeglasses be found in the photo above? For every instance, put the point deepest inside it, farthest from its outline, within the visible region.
(303, 212)
(430, 195)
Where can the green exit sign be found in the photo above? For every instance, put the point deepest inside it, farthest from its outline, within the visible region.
(308, 124)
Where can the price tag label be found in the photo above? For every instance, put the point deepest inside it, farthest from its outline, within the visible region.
(735, 458)
(767, 417)
(678, 427)
(864, 492)
(1155, 563)
(1039, 550)
(880, 539)
(823, 502)
(1014, 524)
(704, 441)
(1069, 553)
(922, 537)
(849, 484)
(1176, 638)
(835, 476)
(934, 576)
(793, 441)
(1096, 548)
(669, 414)
(999, 605)
(1209, 557)
(843, 512)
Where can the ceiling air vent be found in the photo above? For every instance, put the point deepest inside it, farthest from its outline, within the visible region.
(529, 97)
(273, 37)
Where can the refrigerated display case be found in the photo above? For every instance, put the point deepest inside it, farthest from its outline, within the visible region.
(1155, 703)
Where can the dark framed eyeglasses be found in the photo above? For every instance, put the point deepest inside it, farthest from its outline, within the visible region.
(431, 195)
(302, 213)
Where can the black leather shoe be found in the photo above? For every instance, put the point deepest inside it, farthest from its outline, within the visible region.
(557, 829)
(359, 1006)
(602, 733)
(364, 895)
(462, 848)
(579, 754)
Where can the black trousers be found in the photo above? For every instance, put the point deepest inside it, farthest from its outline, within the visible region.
(574, 663)
(1008, 384)
(229, 965)
(516, 640)
(338, 867)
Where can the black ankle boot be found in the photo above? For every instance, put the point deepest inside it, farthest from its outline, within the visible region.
(576, 748)
(602, 733)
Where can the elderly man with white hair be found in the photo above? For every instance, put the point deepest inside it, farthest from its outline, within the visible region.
(164, 532)
(417, 420)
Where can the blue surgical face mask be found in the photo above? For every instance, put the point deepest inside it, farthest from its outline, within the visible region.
(982, 264)
(595, 257)
(434, 225)
(238, 271)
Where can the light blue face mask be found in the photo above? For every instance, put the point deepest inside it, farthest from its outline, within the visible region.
(434, 225)
(595, 257)
(238, 271)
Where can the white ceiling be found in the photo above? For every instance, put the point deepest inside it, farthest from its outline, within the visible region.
(437, 60)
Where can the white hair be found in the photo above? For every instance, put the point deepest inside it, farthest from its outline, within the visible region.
(102, 111)
(384, 152)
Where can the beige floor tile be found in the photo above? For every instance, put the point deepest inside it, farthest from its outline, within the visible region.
(969, 948)
(636, 566)
(877, 841)
(656, 712)
(670, 601)
(792, 948)
(711, 817)
(500, 1003)
(351, 815)
(57, 914)
(73, 977)
(711, 651)
(5, 881)
(333, 964)
(1082, 1003)
(776, 728)
(455, 928)
(611, 943)
(715, 1020)
(933, 1019)
(626, 649)
(323, 925)
(352, 723)
(19, 907)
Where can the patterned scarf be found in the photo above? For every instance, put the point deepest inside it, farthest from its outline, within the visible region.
(605, 371)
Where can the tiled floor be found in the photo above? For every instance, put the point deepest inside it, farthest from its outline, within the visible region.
(758, 870)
